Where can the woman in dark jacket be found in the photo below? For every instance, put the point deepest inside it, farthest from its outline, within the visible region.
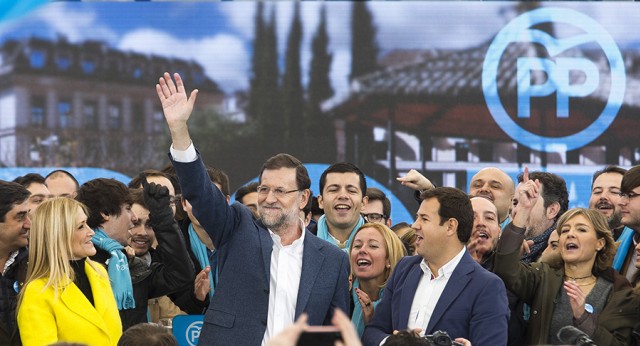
(580, 290)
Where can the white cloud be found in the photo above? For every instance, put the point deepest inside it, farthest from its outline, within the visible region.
(76, 23)
(340, 69)
(240, 15)
(435, 24)
(224, 57)
(615, 18)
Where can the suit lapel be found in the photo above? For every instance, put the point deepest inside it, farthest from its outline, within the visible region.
(266, 246)
(456, 284)
(408, 293)
(76, 301)
(312, 259)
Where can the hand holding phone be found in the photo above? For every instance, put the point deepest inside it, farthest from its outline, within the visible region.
(319, 336)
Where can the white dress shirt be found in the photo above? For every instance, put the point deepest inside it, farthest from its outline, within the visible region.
(429, 290)
(185, 156)
(285, 269)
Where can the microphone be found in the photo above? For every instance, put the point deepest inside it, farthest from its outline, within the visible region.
(571, 335)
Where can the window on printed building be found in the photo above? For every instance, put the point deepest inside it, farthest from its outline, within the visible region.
(462, 151)
(485, 151)
(37, 58)
(63, 62)
(88, 66)
(523, 154)
(158, 121)
(137, 117)
(64, 113)
(38, 115)
(137, 73)
(90, 115)
(115, 116)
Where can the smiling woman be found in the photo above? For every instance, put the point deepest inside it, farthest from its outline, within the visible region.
(374, 253)
(67, 297)
(580, 289)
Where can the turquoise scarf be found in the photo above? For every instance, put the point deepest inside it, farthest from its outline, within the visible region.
(356, 317)
(118, 269)
(626, 238)
(323, 232)
(200, 251)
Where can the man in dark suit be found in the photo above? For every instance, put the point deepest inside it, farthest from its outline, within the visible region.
(442, 288)
(270, 270)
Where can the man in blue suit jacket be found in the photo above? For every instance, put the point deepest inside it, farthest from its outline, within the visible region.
(442, 288)
(270, 270)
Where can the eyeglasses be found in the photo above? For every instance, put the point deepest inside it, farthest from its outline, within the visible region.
(374, 217)
(628, 195)
(278, 193)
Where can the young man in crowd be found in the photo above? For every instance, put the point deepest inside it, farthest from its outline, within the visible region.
(15, 224)
(342, 189)
(132, 280)
(443, 288)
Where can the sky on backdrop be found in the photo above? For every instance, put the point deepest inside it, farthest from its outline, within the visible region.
(219, 35)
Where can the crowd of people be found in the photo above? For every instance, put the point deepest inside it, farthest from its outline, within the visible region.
(506, 263)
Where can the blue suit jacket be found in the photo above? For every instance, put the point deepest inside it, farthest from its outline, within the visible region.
(473, 305)
(237, 314)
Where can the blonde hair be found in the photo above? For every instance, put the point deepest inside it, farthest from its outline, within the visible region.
(50, 238)
(604, 257)
(395, 249)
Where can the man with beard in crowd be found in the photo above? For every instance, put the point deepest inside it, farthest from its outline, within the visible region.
(605, 196)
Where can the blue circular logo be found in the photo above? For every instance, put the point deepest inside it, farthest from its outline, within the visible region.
(193, 333)
(520, 30)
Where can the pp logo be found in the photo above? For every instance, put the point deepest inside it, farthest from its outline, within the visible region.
(193, 333)
(557, 71)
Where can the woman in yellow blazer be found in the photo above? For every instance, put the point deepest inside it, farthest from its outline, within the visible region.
(67, 297)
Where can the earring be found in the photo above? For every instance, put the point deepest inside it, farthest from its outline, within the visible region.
(388, 265)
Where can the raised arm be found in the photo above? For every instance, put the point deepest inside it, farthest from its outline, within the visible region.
(517, 276)
(175, 271)
(210, 207)
(177, 108)
(416, 181)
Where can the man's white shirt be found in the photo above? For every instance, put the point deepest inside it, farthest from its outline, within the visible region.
(285, 268)
(428, 292)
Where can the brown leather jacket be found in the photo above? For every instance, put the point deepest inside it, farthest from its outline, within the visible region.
(538, 285)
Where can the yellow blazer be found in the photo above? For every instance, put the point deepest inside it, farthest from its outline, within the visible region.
(71, 318)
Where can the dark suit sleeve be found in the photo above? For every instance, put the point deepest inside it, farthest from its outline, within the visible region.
(210, 206)
(381, 324)
(490, 315)
(341, 295)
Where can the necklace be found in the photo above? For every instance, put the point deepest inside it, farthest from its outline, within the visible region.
(586, 283)
(574, 278)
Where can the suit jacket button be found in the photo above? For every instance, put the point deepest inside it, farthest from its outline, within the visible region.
(264, 322)
(266, 290)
